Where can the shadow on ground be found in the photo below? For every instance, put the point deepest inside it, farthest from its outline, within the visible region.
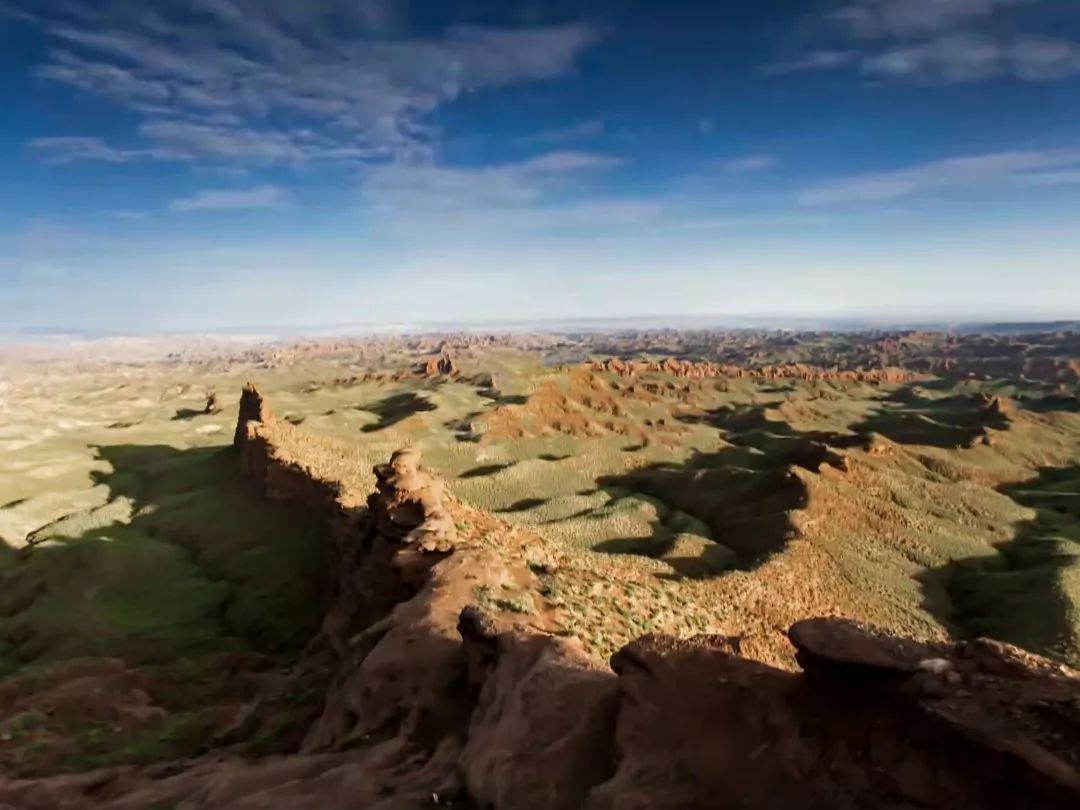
(1065, 403)
(496, 397)
(738, 499)
(1028, 591)
(396, 408)
(523, 505)
(184, 414)
(907, 417)
(485, 470)
(184, 552)
(187, 580)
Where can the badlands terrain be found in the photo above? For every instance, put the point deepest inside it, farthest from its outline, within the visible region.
(635, 569)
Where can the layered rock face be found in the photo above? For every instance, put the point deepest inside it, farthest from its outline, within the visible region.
(434, 701)
(701, 370)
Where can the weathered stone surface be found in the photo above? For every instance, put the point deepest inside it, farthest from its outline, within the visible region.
(875, 721)
(408, 504)
(541, 734)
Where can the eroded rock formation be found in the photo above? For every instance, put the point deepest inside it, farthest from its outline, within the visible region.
(432, 701)
(541, 733)
(691, 369)
(408, 504)
(873, 721)
(441, 366)
(253, 408)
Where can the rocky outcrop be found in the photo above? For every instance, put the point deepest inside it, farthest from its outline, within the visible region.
(873, 721)
(530, 723)
(253, 408)
(441, 366)
(541, 733)
(433, 701)
(983, 701)
(690, 369)
(408, 504)
(1001, 407)
(498, 713)
(276, 471)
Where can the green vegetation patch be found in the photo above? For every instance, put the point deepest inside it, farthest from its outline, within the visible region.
(116, 591)
(270, 554)
(1029, 592)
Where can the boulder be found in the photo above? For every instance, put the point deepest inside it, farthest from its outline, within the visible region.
(873, 721)
(542, 732)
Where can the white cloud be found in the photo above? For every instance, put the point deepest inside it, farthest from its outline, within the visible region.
(211, 74)
(748, 163)
(1067, 177)
(1043, 59)
(228, 200)
(413, 190)
(568, 161)
(554, 197)
(871, 19)
(814, 60)
(236, 144)
(955, 172)
(72, 148)
(953, 58)
(970, 57)
(949, 41)
(611, 213)
(551, 195)
(103, 79)
(559, 135)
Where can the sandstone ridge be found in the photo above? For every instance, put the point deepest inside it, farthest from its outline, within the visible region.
(433, 700)
(690, 369)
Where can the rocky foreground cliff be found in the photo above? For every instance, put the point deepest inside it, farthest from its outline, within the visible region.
(447, 681)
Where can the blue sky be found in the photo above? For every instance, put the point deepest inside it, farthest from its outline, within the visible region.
(243, 163)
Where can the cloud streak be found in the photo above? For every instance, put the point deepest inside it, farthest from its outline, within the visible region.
(231, 200)
(75, 148)
(547, 197)
(748, 164)
(950, 173)
(243, 78)
(947, 41)
(580, 131)
(970, 57)
(873, 19)
(418, 191)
